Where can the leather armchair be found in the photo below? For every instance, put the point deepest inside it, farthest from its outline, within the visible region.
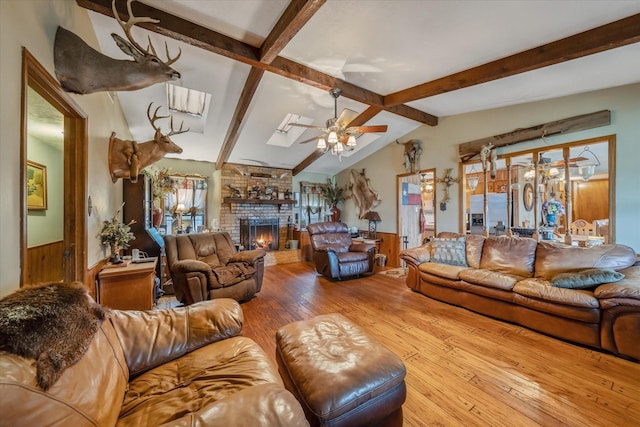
(335, 254)
(207, 266)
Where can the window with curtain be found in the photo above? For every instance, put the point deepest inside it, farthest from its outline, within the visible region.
(186, 208)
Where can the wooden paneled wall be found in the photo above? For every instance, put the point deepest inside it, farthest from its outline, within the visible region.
(390, 246)
(45, 263)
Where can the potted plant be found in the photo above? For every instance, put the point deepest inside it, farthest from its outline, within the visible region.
(550, 209)
(161, 185)
(116, 235)
(332, 194)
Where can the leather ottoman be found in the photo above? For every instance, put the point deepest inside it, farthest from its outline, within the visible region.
(341, 375)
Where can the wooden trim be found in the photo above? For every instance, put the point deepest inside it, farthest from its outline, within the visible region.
(610, 36)
(34, 75)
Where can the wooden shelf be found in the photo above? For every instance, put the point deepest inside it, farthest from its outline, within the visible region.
(259, 201)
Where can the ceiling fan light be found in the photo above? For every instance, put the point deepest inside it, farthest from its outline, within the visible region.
(351, 142)
(322, 144)
(333, 137)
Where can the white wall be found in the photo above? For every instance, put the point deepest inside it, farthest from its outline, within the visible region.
(32, 24)
(440, 150)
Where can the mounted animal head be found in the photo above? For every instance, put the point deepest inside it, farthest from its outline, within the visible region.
(82, 69)
(127, 158)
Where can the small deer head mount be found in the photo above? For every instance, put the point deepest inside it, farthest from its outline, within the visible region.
(82, 69)
(127, 158)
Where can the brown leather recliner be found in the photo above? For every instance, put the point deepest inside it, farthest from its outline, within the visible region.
(207, 265)
(335, 254)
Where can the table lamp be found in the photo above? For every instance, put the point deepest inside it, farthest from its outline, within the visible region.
(373, 218)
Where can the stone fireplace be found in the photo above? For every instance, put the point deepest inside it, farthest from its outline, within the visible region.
(260, 233)
(234, 213)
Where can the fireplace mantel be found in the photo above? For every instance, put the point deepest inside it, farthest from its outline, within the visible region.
(279, 202)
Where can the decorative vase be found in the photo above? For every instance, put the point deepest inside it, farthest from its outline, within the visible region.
(335, 213)
(551, 219)
(156, 216)
(115, 255)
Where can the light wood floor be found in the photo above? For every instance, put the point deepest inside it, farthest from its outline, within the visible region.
(463, 368)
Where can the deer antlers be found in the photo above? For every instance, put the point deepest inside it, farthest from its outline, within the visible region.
(126, 26)
(155, 117)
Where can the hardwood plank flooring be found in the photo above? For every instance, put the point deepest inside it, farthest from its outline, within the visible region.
(463, 368)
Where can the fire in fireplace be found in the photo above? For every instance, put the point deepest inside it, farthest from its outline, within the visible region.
(260, 233)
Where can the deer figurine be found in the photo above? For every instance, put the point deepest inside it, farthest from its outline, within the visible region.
(82, 69)
(127, 158)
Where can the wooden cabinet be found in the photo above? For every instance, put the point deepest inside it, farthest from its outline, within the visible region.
(304, 243)
(137, 206)
(128, 288)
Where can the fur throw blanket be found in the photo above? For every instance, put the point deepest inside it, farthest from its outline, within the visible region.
(52, 323)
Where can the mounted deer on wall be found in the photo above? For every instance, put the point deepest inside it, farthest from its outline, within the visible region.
(127, 158)
(82, 69)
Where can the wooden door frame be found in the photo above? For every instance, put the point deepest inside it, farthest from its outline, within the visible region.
(34, 75)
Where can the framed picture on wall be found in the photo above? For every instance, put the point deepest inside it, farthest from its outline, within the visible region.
(36, 186)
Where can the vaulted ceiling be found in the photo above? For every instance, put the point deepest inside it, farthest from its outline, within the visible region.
(403, 63)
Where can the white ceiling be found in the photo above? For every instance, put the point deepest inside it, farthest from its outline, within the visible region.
(382, 46)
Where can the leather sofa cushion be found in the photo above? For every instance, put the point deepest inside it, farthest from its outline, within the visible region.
(541, 289)
(628, 288)
(271, 405)
(88, 393)
(488, 278)
(443, 270)
(352, 257)
(195, 381)
(553, 259)
(474, 247)
(509, 255)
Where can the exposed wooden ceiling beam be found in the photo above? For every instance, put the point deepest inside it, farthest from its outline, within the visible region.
(249, 89)
(292, 20)
(360, 120)
(610, 36)
(190, 33)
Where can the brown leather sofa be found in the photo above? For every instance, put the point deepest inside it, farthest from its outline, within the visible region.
(335, 254)
(513, 279)
(207, 266)
(175, 367)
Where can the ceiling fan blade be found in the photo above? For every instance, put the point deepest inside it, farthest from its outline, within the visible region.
(307, 126)
(367, 129)
(346, 117)
(311, 139)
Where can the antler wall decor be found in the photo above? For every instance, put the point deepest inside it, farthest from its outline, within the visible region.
(447, 181)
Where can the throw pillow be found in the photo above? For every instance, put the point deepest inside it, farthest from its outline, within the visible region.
(586, 278)
(449, 251)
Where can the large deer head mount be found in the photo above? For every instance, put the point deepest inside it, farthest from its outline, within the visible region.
(82, 69)
(127, 158)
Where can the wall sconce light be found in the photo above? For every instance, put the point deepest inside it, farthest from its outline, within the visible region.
(373, 218)
(586, 171)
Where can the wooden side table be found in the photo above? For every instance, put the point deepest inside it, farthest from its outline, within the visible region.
(128, 287)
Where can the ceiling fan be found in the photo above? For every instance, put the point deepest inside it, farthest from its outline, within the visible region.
(337, 137)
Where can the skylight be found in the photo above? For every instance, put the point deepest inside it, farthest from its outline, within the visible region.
(189, 101)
